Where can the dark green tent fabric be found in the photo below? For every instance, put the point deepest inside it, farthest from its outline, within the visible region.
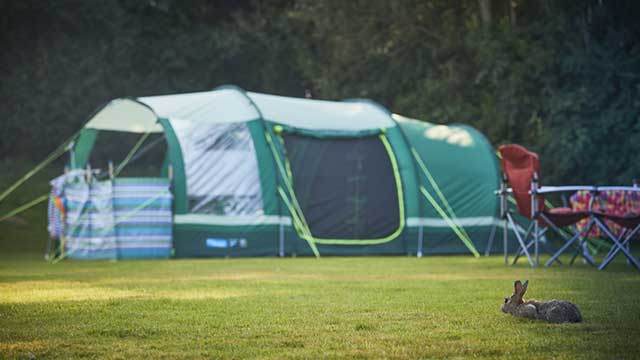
(464, 168)
(346, 187)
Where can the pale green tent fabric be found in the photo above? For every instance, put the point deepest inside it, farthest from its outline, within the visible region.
(117, 115)
(319, 115)
(237, 186)
(227, 105)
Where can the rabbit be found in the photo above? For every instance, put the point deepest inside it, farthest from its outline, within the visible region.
(555, 311)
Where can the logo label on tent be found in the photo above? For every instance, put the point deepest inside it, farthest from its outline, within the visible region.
(220, 243)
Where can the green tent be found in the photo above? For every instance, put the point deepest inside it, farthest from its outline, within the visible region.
(264, 175)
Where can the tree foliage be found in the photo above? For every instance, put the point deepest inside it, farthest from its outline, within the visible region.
(559, 77)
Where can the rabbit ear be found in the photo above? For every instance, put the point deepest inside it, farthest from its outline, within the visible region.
(524, 287)
(517, 287)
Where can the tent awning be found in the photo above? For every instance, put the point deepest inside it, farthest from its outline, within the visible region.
(125, 115)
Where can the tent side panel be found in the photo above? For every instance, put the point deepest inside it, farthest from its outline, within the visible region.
(409, 178)
(462, 164)
(83, 147)
(175, 158)
(231, 209)
(201, 240)
(266, 167)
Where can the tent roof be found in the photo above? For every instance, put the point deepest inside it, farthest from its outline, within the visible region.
(321, 114)
(217, 106)
(125, 115)
(231, 104)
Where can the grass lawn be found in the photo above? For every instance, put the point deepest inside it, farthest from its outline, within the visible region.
(369, 307)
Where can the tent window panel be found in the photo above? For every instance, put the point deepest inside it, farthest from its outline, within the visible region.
(221, 168)
(114, 146)
(346, 187)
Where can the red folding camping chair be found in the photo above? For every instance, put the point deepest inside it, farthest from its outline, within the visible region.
(629, 221)
(521, 170)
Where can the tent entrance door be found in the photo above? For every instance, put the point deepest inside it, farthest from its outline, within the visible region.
(347, 188)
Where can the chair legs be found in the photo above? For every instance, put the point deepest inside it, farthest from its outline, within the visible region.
(570, 241)
(531, 240)
(521, 250)
(550, 250)
(547, 247)
(521, 240)
(618, 246)
(492, 235)
(582, 249)
(624, 239)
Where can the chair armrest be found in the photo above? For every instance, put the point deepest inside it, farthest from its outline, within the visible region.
(622, 188)
(554, 189)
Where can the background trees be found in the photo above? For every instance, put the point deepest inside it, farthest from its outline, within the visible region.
(559, 77)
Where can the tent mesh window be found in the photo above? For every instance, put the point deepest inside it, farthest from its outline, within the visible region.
(221, 169)
(114, 146)
(345, 186)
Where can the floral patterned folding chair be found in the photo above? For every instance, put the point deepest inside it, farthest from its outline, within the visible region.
(619, 220)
